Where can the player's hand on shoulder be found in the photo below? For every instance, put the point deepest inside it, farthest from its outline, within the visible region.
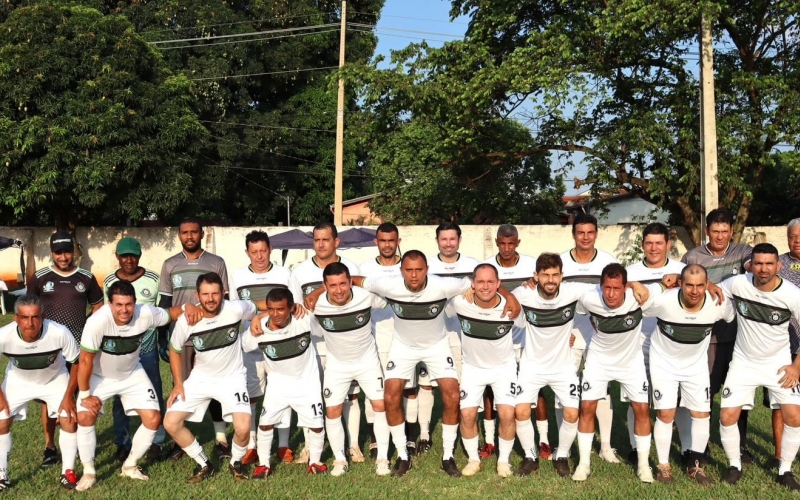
(512, 308)
(571, 339)
(469, 295)
(193, 314)
(669, 281)
(298, 311)
(310, 302)
(530, 284)
(255, 326)
(716, 292)
(640, 292)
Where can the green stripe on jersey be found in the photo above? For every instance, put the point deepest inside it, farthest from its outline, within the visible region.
(618, 324)
(35, 361)
(345, 322)
(684, 333)
(216, 338)
(485, 330)
(286, 348)
(310, 287)
(257, 292)
(119, 346)
(762, 313)
(510, 284)
(550, 317)
(417, 310)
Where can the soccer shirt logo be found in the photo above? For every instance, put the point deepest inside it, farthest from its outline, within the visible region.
(463, 395)
(197, 342)
(48, 287)
(466, 326)
(16, 362)
(629, 320)
(743, 308)
(360, 319)
(307, 290)
(775, 317)
(531, 316)
(668, 330)
(434, 310)
(51, 359)
(109, 345)
(566, 314)
(398, 309)
(177, 281)
(327, 323)
(502, 330)
(244, 294)
(80, 287)
(270, 351)
(146, 292)
(232, 333)
(302, 343)
(708, 331)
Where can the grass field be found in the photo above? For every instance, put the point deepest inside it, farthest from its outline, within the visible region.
(424, 481)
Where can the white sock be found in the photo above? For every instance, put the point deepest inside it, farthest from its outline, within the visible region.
(195, 452)
(315, 443)
(790, 442)
(643, 449)
(382, 434)
(237, 452)
(504, 450)
(283, 437)
(566, 436)
(352, 415)
(335, 430)
(425, 399)
(5, 451)
(398, 433)
(142, 439)
(411, 409)
(662, 435)
(254, 416)
(683, 420)
(87, 443)
(369, 413)
(264, 446)
(729, 437)
(527, 439)
(471, 447)
(305, 435)
(220, 432)
(449, 436)
(68, 442)
(488, 430)
(585, 447)
(605, 416)
(631, 426)
(543, 426)
(701, 428)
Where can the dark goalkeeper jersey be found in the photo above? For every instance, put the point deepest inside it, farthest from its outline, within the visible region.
(65, 298)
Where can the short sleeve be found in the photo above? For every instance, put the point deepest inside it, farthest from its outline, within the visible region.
(157, 316)
(247, 308)
(729, 311)
(294, 287)
(94, 294)
(378, 286)
(223, 274)
(455, 286)
(727, 287)
(165, 285)
(92, 336)
(377, 301)
(180, 334)
(69, 347)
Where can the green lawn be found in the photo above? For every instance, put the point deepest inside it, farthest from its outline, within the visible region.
(424, 480)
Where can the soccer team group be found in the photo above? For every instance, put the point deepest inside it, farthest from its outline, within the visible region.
(489, 336)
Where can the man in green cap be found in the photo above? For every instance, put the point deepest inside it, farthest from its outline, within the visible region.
(145, 283)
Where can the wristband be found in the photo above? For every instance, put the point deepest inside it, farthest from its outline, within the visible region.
(83, 395)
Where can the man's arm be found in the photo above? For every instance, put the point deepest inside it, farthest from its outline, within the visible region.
(177, 377)
(164, 302)
(68, 401)
(512, 308)
(85, 366)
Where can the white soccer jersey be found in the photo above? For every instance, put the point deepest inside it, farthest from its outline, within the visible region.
(247, 284)
(307, 277)
(288, 351)
(647, 275)
(682, 337)
(485, 334)
(418, 321)
(117, 347)
(615, 344)
(218, 352)
(463, 267)
(41, 361)
(382, 319)
(511, 278)
(575, 272)
(347, 329)
(763, 335)
(549, 325)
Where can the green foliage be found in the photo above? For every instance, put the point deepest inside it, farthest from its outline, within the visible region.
(776, 199)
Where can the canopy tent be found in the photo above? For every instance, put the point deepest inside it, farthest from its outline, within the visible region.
(296, 239)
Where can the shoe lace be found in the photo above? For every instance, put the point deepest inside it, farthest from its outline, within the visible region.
(696, 470)
(665, 470)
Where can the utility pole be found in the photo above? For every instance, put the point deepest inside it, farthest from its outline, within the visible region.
(338, 173)
(709, 188)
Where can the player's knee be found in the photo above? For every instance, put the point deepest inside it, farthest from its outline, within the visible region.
(266, 427)
(67, 425)
(151, 419)
(333, 412)
(5, 426)
(86, 419)
(523, 412)
(640, 410)
(316, 430)
(469, 417)
(729, 416)
(172, 424)
(791, 415)
(378, 405)
(570, 415)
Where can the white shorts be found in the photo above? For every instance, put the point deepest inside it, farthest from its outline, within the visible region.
(633, 382)
(438, 360)
(20, 392)
(691, 383)
(231, 392)
(502, 380)
(256, 367)
(424, 378)
(565, 385)
(290, 393)
(136, 391)
(339, 376)
(744, 378)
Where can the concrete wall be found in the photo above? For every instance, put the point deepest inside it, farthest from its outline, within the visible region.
(478, 241)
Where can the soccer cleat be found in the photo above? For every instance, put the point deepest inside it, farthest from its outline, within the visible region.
(697, 473)
(304, 457)
(645, 474)
(504, 469)
(5, 484)
(732, 476)
(373, 451)
(285, 455)
(450, 468)
(582, 473)
(356, 456)
(382, 468)
(86, 482)
(133, 473)
(238, 472)
(339, 468)
(317, 469)
(201, 473)
(176, 453)
(746, 456)
(69, 479)
(472, 468)
(787, 479)
(486, 451)
(411, 448)
(528, 466)
(223, 451)
(51, 457)
(401, 467)
(632, 458)
(153, 454)
(261, 472)
(423, 446)
(562, 467)
(664, 474)
(250, 457)
(689, 458)
(609, 455)
(545, 451)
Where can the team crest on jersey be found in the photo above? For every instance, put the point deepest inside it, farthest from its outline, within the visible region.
(146, 292)
(434, 310)
(244, 294)
(177, 281)
(566, 314)
(668, 330)
(109, 345)
(775, 317)
(531, 316)
(327, 323)
(586, 386)
(708, 331)
(463, 395)
(743, 308)
(51, 359)
(657, 395)
(302, 343)
(16, 362)
(232, 333)
(466, 326)
(502, 330)
(197, 342)
(270, 351)
(360, 319)
(326, 393)
(628, 320)
(80, 287)
(390, 365)
(308, 290)
(48, 287)
(735, 270)
(423, 372)
(726, 392)
(398, 309)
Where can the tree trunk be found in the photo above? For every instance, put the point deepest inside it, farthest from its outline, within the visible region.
(691, 220)
(66, 220)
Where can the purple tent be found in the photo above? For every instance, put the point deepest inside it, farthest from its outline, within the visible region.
(296, 239)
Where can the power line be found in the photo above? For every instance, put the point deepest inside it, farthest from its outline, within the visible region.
(255, 33)
(264, 74)
(236, 23)
(270, 126)
(278, 170)
(202, 46)
(236, 143)
(403, 30)
(401, 36)
(412, 18)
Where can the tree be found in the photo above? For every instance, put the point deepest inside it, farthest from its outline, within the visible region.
(93, 128)
(776, 199)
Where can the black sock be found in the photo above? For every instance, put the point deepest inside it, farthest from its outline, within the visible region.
(742, 424)
(371, 429)
(412, 432)
(215, 410)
